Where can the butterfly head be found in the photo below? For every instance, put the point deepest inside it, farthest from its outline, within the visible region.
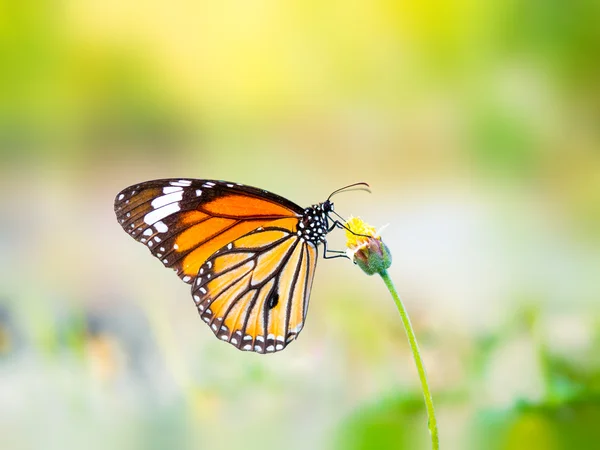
(327, 206)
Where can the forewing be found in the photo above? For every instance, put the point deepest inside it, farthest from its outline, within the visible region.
(254, 292)
(183, 222)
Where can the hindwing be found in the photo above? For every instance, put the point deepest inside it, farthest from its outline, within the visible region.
(254, 292)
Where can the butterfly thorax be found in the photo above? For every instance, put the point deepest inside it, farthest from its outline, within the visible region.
(314, 223)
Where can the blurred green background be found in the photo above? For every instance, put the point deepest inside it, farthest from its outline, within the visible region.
(477, 125)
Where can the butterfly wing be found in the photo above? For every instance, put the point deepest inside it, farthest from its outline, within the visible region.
(183, 222)
(254, 292)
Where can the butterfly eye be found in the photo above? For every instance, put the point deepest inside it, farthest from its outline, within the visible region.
(273, 300)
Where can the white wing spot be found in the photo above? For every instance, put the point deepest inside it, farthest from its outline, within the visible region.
(206, 319)
(159, 255)
(198, 192)
(187, 278)
(121, 197)
(183, 183)
(224, 337)
(175, 247)
(128, 215)
(214, 327)
(167, 199)
(166, 261)
(162, 249)
(247, 347)
(171, 189)
(229, 246)
(209, 264)
(156, 239)
(260, 338)
(229, 185)
(271, 336)
(161, 227)
(160, 213)
(148, 232)
(279, 347)
(201, 271)
(257, 348)
(150, 243)
(234, 341)
(270, 348)
(247, 337)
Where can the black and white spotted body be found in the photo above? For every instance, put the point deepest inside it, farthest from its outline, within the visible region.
(314, 224)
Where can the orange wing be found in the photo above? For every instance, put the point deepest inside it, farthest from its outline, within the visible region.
(183, 222)
(254, 292)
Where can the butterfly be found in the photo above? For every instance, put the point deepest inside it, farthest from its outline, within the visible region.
(249, 255)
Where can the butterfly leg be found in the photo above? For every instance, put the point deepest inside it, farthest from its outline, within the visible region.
(336, 253)
(338, 224)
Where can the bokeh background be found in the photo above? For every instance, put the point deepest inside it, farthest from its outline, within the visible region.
(477, 125)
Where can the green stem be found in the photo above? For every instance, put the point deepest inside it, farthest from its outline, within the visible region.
(435, 442)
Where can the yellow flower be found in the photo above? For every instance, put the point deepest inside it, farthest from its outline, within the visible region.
(365, 247)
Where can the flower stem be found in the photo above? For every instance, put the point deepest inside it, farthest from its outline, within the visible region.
(435, 442)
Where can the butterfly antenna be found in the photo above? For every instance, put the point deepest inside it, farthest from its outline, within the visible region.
(363, 187)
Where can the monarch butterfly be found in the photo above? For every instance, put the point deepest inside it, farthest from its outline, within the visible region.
(249, 255)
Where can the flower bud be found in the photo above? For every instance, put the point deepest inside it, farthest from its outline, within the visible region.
(366, 248)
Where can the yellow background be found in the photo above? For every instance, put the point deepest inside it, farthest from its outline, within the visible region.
(477, 125)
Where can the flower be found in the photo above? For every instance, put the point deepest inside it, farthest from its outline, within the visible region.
(368, 251)
(366, 248)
